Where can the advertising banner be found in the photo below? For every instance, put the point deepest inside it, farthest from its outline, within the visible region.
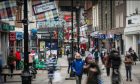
(41, 8)
(42, 45)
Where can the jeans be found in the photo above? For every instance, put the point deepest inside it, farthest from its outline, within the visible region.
(128, 72)
(69, 67)
(78, 79)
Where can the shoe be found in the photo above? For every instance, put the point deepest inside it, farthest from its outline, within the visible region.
(130, 79)
(126, 79)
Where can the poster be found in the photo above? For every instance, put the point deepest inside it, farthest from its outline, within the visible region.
(42, 45)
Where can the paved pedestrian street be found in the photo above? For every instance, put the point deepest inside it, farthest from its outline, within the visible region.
(42, 75)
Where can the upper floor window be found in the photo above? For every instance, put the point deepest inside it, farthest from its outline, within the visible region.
(129, 21)
(118, 2)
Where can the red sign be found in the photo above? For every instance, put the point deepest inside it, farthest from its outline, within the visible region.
(12, 36)
(67, 18)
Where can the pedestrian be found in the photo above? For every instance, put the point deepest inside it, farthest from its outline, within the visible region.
(115, 60)
(18, 59)
(68, 52)
(87, 63)
(130, 50)
(69, 63)
(107, 63)
(1, 63)
(115, 65)
(102, 55)
(128, 65)
(82, 51)
(96, 55)
(93, 76)
(77, 67)
(31, 59)
(134, 56)
(10, 61)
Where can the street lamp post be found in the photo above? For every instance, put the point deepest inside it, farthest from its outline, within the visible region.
(26, 76)
(72, 29)
(77, 21)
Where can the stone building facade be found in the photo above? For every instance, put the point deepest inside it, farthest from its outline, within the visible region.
(112, 23)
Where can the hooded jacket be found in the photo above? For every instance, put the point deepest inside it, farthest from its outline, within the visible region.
(77, 66)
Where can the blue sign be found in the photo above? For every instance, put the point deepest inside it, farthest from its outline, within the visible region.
(19, 35)
(102, 36)
(53, 45)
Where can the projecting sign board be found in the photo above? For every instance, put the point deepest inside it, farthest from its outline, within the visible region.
(41, 8)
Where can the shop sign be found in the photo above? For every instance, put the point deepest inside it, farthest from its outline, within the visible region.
(19, 35)
(41, 8)
(102, 36)
(109, 36)
(117, 37)
(11, 28)
(12, 36)
(5, 27)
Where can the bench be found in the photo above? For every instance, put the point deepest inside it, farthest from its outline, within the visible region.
(4, 74)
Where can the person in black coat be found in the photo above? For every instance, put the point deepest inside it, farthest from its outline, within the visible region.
(134, 56)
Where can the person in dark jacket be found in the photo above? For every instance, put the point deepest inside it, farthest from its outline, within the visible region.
(93, 72)
(115, 64)
(77, 67)
(134, 56)
(96, 55)
(107, 63)
(10, 62)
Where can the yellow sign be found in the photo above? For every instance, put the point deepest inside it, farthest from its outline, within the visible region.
(42, 45)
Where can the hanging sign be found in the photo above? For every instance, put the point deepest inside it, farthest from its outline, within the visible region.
(12, 36)
(41, 8)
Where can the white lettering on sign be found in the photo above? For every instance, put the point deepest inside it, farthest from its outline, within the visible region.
(44, 7)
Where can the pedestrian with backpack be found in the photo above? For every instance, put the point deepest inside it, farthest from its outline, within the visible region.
(115, 64)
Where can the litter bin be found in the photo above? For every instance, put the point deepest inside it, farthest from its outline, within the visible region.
(26, 78)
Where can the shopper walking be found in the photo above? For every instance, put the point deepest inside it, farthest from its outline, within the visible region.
(115, 64)
(107, 63)
(93, 72)
(134, 56)
(18, 59)
(96, 55)
(77, 67)
(10, 62)
(128, 65)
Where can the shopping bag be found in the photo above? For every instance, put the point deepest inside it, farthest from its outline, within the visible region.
(57, 77)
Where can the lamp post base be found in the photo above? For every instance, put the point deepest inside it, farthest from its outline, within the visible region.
(26, 77)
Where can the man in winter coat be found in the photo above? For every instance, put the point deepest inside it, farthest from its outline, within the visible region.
(18, 59)
(77, 67)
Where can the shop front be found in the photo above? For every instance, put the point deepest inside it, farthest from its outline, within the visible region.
(4, 39)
